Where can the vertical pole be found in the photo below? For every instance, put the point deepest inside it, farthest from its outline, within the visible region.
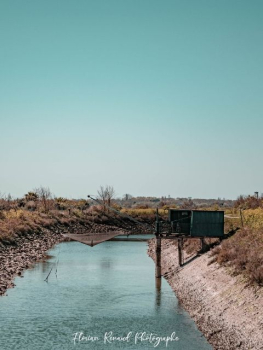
(241, 217)
(158, 248)
(180, 251)
(158, 284)
(158, 289)
(158, 266)
(157, 233)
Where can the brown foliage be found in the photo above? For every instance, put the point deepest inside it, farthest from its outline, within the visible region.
(244, 253)
(249, 202)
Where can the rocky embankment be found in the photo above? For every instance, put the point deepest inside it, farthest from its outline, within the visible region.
(26, 249)
(225, 308)
(21, 255)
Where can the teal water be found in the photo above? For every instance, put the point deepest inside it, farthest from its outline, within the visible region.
(108, 288)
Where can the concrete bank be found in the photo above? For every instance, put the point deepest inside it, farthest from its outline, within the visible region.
(225, 309)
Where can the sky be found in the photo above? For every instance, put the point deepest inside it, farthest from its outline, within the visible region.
(152, 97)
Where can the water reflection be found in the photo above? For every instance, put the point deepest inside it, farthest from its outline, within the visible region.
(45, 266)
(158, 291)
(110, 287)
(106, 264)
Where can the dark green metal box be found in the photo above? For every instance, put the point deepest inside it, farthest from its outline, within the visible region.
(207, 224)
(180, 220)
(197, 223)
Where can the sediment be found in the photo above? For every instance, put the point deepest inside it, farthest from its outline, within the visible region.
(226, 310)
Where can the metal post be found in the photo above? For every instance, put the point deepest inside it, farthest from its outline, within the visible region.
(157, 224)
(180, 253)
(158, 266)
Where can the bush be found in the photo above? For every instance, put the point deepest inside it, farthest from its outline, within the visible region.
(244, 253)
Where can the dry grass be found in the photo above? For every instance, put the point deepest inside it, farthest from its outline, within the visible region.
(253, 218)
(244, 253)
(15, 223)
(145, 214)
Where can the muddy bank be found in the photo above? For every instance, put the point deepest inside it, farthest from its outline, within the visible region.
(225, 309)
(26, 249)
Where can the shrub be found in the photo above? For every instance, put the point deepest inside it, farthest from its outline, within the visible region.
(244, 252)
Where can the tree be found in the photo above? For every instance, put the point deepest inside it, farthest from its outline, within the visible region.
(31, 196)
(44, 196)
(106, 195)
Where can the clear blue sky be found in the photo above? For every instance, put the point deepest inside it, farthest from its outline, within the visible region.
(153, 97)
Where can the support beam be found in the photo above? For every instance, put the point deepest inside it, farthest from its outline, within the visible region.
(158, 249)
(203, 245)
(180, 251)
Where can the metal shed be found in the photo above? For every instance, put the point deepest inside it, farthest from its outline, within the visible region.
(197, 223)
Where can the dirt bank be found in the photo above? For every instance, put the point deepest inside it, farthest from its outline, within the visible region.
(225, 309)
(26, 249)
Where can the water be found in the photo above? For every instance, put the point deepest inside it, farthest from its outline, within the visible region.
(110, 287)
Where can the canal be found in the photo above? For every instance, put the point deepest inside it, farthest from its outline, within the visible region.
(93, 296)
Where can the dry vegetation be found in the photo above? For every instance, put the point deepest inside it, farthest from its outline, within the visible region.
(144, 213)
(19, 222)
(38, 209)
(243, 252)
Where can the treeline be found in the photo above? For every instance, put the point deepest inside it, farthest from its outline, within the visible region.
(41, 199)
(249, 202)
(167, 202)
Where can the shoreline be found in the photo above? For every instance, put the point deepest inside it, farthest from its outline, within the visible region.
(27, 249)
(224, 308)
(14, 259)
